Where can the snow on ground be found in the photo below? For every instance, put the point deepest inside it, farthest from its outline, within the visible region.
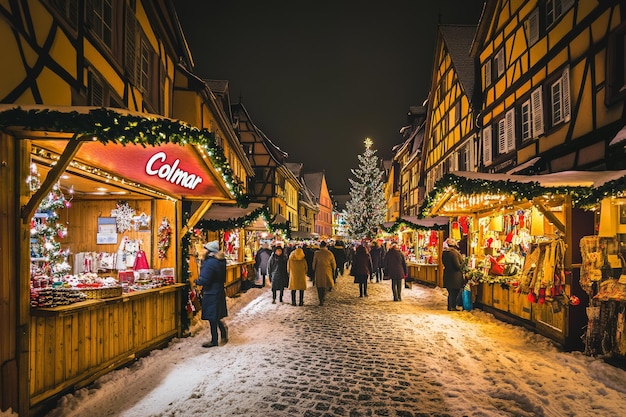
(474, 365)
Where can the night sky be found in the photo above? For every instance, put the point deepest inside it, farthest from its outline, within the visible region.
(319, 77)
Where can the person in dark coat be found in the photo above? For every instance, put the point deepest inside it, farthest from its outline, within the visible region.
(277, 269)
(395, 268)
(339, 250)
(453, 281)
(212, 278)
(309, 251)
(349, 255)
(361, 269)
(376, 253)
(260, 264)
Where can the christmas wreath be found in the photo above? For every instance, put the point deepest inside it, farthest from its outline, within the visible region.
(165, 238)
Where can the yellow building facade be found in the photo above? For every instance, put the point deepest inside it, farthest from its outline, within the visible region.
(450, 142)
(552, 80)
(74, 67)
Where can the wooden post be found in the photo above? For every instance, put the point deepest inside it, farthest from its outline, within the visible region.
(22, 277)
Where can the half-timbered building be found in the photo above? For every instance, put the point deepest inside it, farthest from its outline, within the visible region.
(553, 84)
(450, 137)
(274, 184)
(100, 99)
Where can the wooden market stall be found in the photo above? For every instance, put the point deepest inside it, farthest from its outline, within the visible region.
(523, 232)
(232, 227)
(96, 259)
(603, 277)
(423, 240)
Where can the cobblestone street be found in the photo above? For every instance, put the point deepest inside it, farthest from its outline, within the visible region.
(356, 357)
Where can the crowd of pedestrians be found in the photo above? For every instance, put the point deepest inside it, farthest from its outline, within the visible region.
(323, 263)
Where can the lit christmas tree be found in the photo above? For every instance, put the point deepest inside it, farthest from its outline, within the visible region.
(365, 211)
(45, 229)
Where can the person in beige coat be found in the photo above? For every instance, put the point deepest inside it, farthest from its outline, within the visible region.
(297, 268)
(324, 265)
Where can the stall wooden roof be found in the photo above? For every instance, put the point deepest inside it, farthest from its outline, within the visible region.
(463, 193)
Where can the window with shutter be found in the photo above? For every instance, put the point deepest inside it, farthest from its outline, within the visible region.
(566, 95)
(501, 137)
(536, 104)
(526, 124)
(100, 19)
(487, 146)
(487, 73)
(532, 26)
(556, 108)
(499, 62)
(96, 91)
(557, 8)
(510, 130)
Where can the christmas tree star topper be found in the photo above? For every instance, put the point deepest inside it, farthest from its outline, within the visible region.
(368, 143)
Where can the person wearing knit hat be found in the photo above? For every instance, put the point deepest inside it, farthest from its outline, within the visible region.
(452, 243)
(212, 278)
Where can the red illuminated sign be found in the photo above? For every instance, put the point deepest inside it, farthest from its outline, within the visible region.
(175, 169)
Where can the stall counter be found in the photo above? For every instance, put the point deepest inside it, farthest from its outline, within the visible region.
(71, 346)
(431, 274)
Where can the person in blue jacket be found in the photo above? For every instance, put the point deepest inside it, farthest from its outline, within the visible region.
(212, 279)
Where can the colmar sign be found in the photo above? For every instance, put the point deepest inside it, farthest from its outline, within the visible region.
(159, 166)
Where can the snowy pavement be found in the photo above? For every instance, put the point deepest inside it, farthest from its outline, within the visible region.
(357, 357)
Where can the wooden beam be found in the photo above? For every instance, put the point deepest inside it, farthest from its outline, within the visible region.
(196, 216)
(70, 151)
(551, 217)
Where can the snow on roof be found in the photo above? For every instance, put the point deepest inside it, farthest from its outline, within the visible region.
(592, 179)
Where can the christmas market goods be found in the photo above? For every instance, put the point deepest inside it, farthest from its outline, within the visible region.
(105, 240)
(521, 251)
(423, 242)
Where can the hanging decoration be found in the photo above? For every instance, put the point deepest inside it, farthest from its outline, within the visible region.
(33, 180)
(106, 125)
(165, 238)
(124, 216)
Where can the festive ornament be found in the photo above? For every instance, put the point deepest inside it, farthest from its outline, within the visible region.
(574, 300)
(124, 216)
(165, 236)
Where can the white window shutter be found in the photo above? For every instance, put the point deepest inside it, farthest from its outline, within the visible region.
(510, 130)
(501, 137)
(567, 108)
(533, 27)
(487, 146)
(536, 104)
(500, 58)
(488, 76)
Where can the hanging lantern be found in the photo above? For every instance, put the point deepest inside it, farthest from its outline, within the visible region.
(608, 219)
(536, 222)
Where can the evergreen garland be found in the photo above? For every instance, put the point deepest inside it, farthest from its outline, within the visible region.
(583, 197)
(106, 126)
(400, 222)
(245, 221)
